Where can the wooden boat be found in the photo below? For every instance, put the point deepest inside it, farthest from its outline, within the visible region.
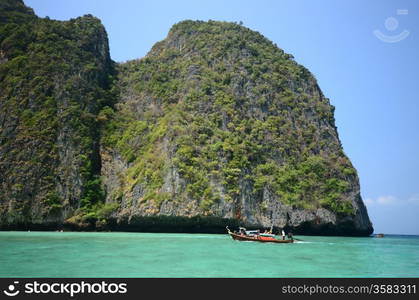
(262, 238)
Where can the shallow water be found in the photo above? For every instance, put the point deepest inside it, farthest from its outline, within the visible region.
(93, 254)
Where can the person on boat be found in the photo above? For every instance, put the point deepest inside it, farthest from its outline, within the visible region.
(290, 236)
(283, 234)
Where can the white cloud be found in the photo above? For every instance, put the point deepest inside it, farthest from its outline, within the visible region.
(369, 201)
(381, 200)
(388, 200)
(414, 199)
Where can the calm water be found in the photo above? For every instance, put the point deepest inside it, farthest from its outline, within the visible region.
(69, 254)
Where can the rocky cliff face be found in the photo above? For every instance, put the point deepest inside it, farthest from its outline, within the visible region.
(215, 126)
(54, 79)
(218, 121)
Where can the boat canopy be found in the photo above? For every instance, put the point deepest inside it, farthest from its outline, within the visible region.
(267, 234)
(250, 232)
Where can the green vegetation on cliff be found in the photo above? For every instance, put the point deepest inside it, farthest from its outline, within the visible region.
(224, 107)
(216, 123)
(54, 79)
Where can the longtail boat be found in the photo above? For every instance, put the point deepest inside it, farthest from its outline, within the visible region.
(256, 236)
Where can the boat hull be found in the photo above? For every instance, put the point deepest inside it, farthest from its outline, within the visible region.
(259, 239)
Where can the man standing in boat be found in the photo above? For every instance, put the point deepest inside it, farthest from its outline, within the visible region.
(283, 234)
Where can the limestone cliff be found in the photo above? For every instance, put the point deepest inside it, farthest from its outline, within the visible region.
(54, 79)
(218, 121)
(215, 126)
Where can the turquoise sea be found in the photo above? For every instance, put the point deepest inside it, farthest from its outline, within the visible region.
(94, 254)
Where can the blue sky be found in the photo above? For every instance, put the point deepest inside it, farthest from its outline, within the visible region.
(371, 78)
